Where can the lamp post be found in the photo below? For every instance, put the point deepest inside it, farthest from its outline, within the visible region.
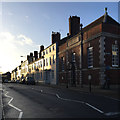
(81, 55)
(22, 69)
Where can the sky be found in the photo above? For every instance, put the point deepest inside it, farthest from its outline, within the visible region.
(27, 25)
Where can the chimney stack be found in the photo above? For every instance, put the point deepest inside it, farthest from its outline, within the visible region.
(31, 54)
(31, 57)
(36, 55)
(41, 49)
(74, 25)
(28, 57)
(55, 37)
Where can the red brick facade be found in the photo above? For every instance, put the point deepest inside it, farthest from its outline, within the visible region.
(100, 36)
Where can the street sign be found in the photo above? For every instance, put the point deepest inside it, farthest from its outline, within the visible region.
(89, 77)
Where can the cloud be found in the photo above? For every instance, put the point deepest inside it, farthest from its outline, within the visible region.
(24, 40)
(12, 47)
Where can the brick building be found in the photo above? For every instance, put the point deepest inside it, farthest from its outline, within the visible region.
(92, 51)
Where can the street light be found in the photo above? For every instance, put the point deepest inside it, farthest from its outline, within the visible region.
(81, 57)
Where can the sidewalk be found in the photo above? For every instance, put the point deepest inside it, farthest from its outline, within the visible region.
(113, 92)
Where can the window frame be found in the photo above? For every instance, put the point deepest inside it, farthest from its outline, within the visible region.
(90, 57)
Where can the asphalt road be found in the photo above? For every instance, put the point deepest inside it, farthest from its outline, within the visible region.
(31, 101)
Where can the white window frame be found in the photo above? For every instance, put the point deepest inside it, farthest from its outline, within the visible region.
(88, 56)
(115, 48)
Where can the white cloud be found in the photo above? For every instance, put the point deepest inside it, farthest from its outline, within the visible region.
(24, 40)
(12, 47)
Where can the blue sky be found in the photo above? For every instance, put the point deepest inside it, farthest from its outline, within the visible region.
(30, 24)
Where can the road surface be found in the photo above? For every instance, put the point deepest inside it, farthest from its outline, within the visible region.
(31, 101)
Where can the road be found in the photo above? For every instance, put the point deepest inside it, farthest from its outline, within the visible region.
(31, 101)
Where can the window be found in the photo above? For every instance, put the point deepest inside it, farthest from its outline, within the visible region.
(46, 51)
(41, 63)
(90, 57)
(46, 62)
(53, 59)
(36, 65)
(73, 57)
(115, 56)
(53, 48)
(32, 67)
(49, 49)
(62, 63)
(50, 60)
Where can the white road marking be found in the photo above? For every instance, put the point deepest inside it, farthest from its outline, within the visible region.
(69, 99)
(81, 102)
(9, 103)
(75, 101)
(112, 113)
(94, 108)
(107, 114)
(20, 115)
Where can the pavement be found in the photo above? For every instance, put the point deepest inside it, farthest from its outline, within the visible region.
(113, 92)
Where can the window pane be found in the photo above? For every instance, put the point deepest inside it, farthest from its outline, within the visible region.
(115, 55)
(90, 56)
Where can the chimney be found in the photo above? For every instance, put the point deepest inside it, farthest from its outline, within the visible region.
(31, 54)
(67, 34)
(28, 57)
(55, 37)
(36, 55)
(74, 25)
(41, 49)
(31, 57)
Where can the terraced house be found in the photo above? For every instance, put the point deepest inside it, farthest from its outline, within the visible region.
(42, 66)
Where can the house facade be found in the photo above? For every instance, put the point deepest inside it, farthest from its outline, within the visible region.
(92, 54)
(50, 64)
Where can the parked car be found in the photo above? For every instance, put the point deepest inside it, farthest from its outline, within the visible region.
(30, 80)
(22, 81)
(5, 81)
(17, 81)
